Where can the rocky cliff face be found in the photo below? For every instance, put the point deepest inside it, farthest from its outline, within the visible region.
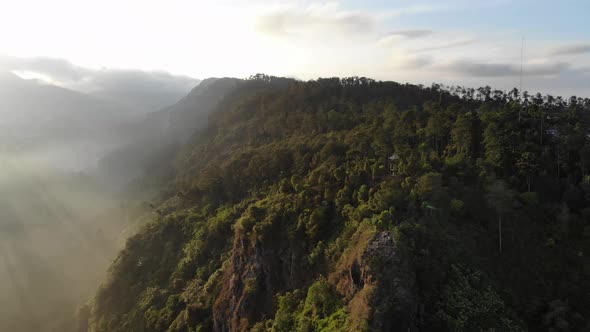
(378, 282)
(394, 278)
(374, 278)
(260, 267)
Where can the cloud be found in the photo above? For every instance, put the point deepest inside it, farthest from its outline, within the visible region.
(315, 20)
(139, 80)
(572, 49)
(410, 61)
(410, 10)
(450, 44)
(330, 19)
(410, 33)
(58, 69)
(87, 80)
(394, 37)
(480, 69)
(139, 90)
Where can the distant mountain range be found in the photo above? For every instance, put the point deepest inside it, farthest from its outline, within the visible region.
(30, 108)
(75, 128)
(115, 134)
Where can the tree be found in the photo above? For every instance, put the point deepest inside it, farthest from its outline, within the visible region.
(437, 129)
(500, 198)
(527, 167)
(468, 304)
(462, 135)
(494, 147)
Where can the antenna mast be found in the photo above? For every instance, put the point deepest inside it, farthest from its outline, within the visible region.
(521, 65)
(521, 61)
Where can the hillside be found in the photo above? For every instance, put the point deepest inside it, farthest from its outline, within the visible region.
(286, 213)
(151, 140)
(152, 137)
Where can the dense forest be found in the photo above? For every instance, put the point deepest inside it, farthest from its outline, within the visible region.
(358, 205)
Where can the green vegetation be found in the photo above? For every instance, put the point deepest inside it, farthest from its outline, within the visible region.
(284, 215)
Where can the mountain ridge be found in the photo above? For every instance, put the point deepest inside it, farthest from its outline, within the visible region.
(282, 214)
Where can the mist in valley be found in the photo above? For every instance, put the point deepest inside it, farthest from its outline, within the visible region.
(56, 242)
(67, 162)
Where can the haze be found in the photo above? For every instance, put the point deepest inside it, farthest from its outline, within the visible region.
(458, 42)
(95, 95)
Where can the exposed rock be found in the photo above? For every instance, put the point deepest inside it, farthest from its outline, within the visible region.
(395, 300)
(259, 269)
(378, 277)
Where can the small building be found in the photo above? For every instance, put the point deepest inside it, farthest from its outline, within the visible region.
(552, 132)
(392, 161)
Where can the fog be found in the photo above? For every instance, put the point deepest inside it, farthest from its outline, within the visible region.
(59, 230)
(63, 217)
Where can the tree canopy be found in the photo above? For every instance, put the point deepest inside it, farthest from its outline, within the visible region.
(285, 215)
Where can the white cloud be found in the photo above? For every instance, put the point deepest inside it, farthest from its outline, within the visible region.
(448, 44)
(482, 69)
(139, 90)
(64, 73)
(409, 10)
(319, 21)
(572, 49)
(411, 33)
(395, 37)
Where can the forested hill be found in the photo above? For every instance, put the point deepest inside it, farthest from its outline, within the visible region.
(285, 215)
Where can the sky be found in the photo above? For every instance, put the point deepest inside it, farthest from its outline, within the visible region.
(458, 42)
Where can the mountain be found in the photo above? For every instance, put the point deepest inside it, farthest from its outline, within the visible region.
(160, 133)
(143, 96)
(355, 205)
(51, 120)
(191, 112)
(57, 125)
(35, 109)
